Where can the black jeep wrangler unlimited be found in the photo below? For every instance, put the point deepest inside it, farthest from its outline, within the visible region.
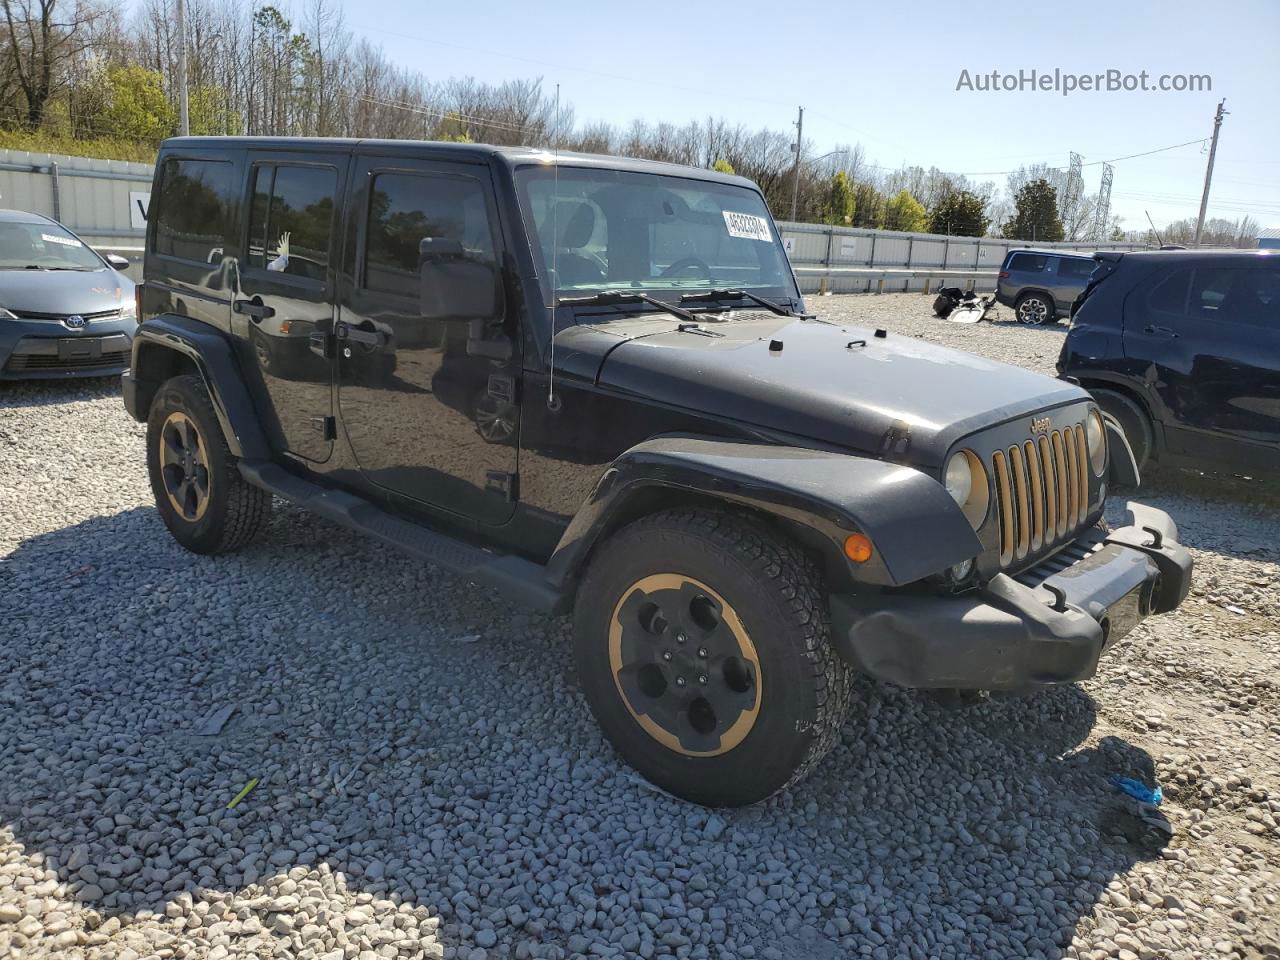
(591, 383)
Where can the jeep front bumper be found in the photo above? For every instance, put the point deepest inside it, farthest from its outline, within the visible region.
(1015, 634)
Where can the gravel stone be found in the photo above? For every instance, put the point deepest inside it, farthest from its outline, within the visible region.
(430, 783)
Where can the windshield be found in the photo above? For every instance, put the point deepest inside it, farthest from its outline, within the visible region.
(44, 246)
(617, 230)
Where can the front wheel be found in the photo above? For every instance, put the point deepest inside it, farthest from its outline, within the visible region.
(702, 646)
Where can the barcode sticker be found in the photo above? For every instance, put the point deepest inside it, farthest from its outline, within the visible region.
(747, 226)
(65, 241)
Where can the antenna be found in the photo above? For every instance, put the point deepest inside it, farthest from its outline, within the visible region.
(553, 402)
(1159, 239)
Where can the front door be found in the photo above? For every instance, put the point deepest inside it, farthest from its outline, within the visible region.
(428, 418)
(286, 283)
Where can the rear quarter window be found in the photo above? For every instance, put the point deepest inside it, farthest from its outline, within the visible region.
(194, 209)
(1074, 268)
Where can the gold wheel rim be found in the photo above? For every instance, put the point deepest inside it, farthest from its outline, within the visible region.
(717, 704)
(184, 467)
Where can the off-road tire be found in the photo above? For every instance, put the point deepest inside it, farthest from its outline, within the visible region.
(775, 593)
(1051, 309)
(234, 510)
(1133, 420)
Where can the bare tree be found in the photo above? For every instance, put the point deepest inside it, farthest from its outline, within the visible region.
(43, 37)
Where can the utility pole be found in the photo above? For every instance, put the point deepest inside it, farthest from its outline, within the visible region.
(184, 120)
(1208, 171)
(795, 169)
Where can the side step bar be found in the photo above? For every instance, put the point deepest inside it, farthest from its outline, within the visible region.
(521, 581)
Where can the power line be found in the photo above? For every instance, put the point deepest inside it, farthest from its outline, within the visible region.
(1092, 163)
(443, 115)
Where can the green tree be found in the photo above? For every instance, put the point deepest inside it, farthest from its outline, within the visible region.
(211, 115)
(838, 200)
(1036, 216)
(723, 166)
(959, 213)
(137, 108)
(904, 212)
(868, 207)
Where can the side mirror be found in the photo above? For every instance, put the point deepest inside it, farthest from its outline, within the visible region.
(116, 261)
(454, 286)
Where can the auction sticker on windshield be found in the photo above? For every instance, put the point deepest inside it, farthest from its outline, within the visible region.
(65, 241)
(747, 226)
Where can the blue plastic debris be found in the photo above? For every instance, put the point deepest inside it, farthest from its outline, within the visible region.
(1138, 790)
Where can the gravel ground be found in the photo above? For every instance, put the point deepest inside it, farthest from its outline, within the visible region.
(429, 781)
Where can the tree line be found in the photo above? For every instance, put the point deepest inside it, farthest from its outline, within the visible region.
(82, 72)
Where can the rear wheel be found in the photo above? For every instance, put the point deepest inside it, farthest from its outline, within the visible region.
(199, 493)
(702, 646)
(1133, 420)
(1035, 308)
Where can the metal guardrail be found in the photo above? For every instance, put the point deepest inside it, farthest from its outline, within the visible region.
(879, 275)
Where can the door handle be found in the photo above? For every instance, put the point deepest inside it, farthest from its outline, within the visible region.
(1168, 332)
(370, 338)
(254, 309)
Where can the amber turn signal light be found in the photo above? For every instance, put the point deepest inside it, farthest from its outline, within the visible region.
(857, 547)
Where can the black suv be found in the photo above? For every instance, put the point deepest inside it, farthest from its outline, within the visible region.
(590, 384)
(1040, 285)
(1183, 348)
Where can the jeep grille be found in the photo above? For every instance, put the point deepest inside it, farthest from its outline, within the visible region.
(1041, 491)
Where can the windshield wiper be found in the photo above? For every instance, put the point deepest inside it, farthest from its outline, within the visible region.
(609, 297)
(727, 294)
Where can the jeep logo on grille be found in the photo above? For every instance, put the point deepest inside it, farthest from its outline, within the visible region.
(74, 322)
(1040, 425)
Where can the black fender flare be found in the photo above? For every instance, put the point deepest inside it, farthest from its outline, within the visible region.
(915, 526)
(211, 353)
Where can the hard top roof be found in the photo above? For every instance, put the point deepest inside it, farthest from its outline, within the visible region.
(510, 156)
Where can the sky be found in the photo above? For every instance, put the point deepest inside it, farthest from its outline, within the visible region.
(885, 75)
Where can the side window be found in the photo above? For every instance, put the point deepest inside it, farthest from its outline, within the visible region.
(1239, 295)
(1073, 268)
(1261, 305)
(1209, 289)
(291, 220)
(1028, 262)
(413, 216)
(193, 209)
(1170, 294)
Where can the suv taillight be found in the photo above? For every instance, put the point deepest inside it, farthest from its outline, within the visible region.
(1004, 274)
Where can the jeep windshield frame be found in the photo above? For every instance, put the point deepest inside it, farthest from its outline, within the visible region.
(656, 233)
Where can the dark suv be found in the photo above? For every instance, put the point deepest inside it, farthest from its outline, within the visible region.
(1040, 285)
(1183, 348)
(590, 384)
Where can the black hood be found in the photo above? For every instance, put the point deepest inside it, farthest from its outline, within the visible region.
(64, 291)
(840, 385)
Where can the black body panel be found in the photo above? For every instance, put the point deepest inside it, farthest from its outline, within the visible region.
(1199, 350)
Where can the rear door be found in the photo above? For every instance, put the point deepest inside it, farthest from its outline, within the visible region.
(1069, 281)
(428, 419)
(1211, 337)
(283, 307)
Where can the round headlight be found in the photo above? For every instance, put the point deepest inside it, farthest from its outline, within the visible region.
(1096, 434)
(967, 483)
(959, 478)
